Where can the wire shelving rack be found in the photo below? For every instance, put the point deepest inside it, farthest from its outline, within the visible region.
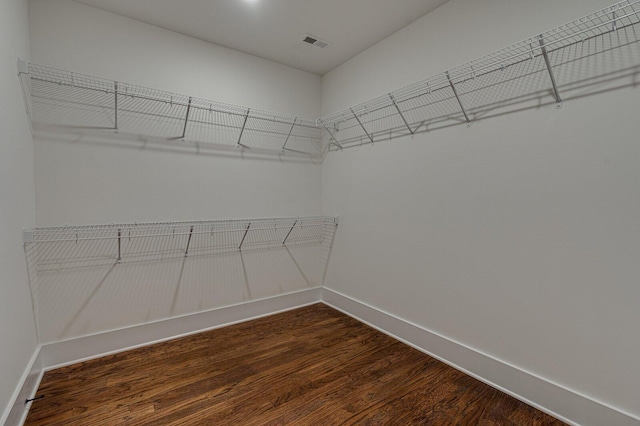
(95, 272)
(547, 68)
(541, 67)
(88, 245)
(66, 99)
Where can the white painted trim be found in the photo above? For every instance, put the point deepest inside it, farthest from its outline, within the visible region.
(67, 352)
(16, 412)
(563, 403)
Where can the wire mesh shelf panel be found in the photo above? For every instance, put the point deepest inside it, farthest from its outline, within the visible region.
(597, 60)
(66, 105)
(150, 117)
(88, 279)
(588, 51)
(429, 107)
(66, 99)
(67, 246)
(591, 50)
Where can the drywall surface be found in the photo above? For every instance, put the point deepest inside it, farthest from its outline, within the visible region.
(17, 197)
(88, 179)
(519, 236)
(84, 39)
(80, 181)
(88, 182)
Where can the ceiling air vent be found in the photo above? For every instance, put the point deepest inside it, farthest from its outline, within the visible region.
(315, 41)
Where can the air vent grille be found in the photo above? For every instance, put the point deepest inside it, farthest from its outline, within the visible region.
(315, 41)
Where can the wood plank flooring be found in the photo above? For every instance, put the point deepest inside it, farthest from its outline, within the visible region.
(309, 366)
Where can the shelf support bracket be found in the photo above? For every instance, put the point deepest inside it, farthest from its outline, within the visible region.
(186, 119)
(115, 104)
(186, 252)
(289, 233)
(545, 55)
(331, 136)
(455, 92)
(290, 131)
(244, 124)
(395, 104)
(361, 125)
(119, 247)
(246, 231)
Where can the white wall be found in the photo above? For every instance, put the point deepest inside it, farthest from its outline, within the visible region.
(82, 182)
(518, 237)
(112, 179)
(17, 196)
(80, 38)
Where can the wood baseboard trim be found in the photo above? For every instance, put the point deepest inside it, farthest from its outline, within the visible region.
(556, 400)
(67, 352)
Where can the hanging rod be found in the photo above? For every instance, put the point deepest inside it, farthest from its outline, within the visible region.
(463, 92)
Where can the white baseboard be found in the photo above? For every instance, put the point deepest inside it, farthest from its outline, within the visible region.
(558, 401)
(563, 403)
(17, 410)
(80, 349)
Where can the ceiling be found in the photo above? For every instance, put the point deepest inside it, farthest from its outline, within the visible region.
(274, 29)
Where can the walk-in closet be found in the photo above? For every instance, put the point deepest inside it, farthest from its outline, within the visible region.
(314, 213)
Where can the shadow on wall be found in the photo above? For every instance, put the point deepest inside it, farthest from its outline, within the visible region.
(596, 65)
(48, 133)
(85, 283)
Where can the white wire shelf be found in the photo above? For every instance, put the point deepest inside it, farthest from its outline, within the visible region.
(92, 278)
(67, 99)
(576, 54)
(60, 247)
(552, 67)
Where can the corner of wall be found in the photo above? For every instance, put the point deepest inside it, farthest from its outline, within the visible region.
(561, 402)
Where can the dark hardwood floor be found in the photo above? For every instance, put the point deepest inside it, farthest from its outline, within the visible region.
(309, 366)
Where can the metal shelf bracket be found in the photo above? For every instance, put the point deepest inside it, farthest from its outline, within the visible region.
(554, 85)
(404, 120)
(361, 125)
(455, 92)
(244, 124)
